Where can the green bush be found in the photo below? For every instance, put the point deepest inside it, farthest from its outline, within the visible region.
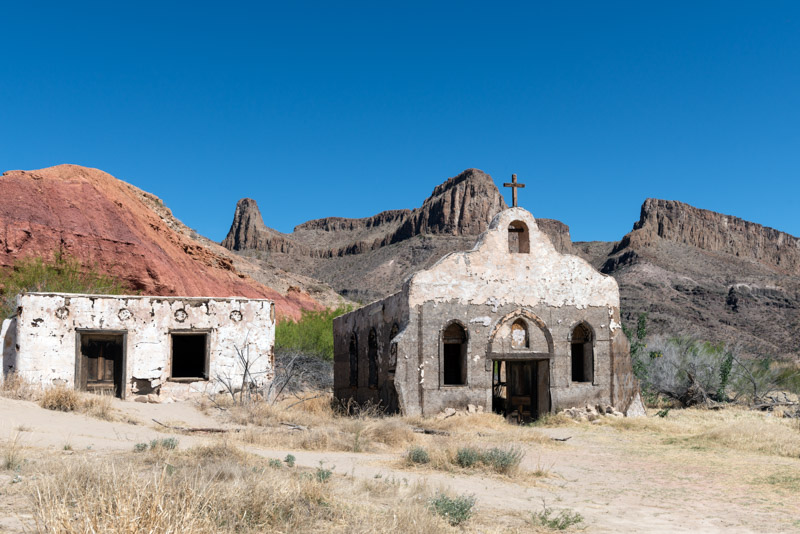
(418, 455)
(290, 459)
(165, 443)
(275, 463)
(140, 447)
(468, 456)
(455, 510)
(503, 460)
(561, 521)
(499, 460)
(62, 274)
(312, 334)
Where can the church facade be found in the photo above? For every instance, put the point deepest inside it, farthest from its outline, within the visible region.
(511, 326)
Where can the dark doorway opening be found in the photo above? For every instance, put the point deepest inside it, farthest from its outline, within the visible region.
(454, 357)
(102, 363)
(582, 354)
(190, 356)
(521, 389)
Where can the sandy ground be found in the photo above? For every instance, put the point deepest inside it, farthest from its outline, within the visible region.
(618, 482)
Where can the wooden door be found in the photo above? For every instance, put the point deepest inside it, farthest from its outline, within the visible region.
(102, 363)
(522, 395)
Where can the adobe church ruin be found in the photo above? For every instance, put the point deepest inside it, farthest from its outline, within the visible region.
(511, 326)
(170, 347)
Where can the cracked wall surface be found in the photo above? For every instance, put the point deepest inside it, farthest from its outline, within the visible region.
(486, 290)
(48, 326)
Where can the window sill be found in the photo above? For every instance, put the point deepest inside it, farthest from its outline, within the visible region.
(187, 379)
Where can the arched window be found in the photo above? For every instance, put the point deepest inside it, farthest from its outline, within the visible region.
(353, 360)
(372, 354)
(519, 335)
(393, 347)
(582, 354)
(518, 238)
(454, 357)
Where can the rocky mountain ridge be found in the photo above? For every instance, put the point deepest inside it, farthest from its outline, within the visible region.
(694, 271)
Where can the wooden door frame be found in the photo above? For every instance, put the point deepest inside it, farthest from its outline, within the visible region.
(80, 372)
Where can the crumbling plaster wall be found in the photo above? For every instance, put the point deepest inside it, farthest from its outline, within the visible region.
(487, 285)
(47, 342)
(382, 315)
(485, 290)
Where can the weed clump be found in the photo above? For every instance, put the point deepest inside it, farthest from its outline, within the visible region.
(563, 520)
(503, 461)
(418, 455)
(455, 510)
(61, 399)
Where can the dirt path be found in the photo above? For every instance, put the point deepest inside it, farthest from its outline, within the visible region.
(618, 483)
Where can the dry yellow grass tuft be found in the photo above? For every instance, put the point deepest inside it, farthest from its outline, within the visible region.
(219, 489)
(733, 427)
(60, 398)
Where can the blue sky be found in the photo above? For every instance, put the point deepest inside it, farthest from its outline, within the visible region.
(348, 109)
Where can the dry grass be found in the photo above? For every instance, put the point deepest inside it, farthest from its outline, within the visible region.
(65, 399)
(218, 488)
(60, 398)
(15, 387)
(733, 428)
(324, 427)
(12, 453)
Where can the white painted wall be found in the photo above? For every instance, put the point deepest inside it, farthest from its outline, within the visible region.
(490, 274)
(47, 325)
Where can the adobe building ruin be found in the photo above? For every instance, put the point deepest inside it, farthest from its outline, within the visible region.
(135, 346)
(511, 326)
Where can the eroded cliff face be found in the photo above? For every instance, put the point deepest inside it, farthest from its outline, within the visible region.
(713, 276)
(681, 223)
(461, 206)
(123, 231)
(369, 258)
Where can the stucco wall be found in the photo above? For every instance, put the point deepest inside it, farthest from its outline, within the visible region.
(47, 339)
(382, 315)
(485, 290)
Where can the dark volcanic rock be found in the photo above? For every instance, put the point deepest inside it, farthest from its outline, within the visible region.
(369, 258)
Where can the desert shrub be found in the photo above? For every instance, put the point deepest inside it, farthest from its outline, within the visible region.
(499, 460)
(312, 334)
(322, 473)
(60, 398)
(455, 510)
(563, 520)
(164, 443)
(290, 459)
(693, 372)
(503, 460)
(140, 447)
(468, 457)
(62, 274)
(275, 463)
(418, 455)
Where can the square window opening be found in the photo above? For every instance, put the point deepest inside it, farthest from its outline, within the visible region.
(190, 356)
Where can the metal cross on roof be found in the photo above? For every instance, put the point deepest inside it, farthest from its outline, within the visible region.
(513, 185)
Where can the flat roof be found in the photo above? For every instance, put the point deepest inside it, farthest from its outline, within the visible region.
(152, 297)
